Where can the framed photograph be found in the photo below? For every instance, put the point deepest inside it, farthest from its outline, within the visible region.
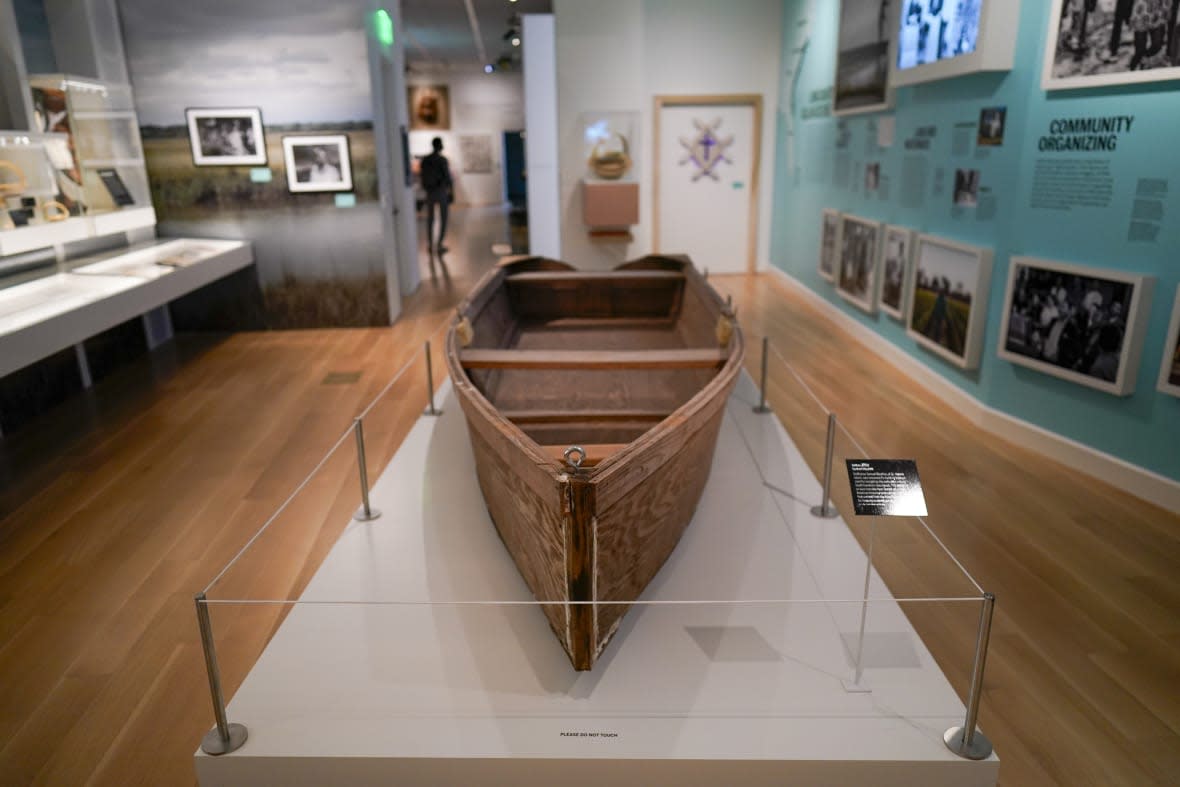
(940, 39)
(1114, 42)
(319, 163)
(430, 107)
(896, 253)
(947, 306)
(226, 137)
(872, 177)
(1078, 323)
(829, 240)
(991, 126)
(475, 151)
(863, 57)
(860, 249)
(1170, 367)
(966, 194)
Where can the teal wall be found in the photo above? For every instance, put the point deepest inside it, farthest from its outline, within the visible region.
(815, 151)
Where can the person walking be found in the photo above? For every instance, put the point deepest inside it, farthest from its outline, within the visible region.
(436, 181)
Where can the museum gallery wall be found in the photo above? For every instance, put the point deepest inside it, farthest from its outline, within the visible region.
(470, 113)
(1073, 195)
(257, 124)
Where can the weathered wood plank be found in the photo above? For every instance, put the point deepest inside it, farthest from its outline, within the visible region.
(561, 416)
(592, 359)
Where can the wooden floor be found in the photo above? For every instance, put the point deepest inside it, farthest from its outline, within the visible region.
(121, 505)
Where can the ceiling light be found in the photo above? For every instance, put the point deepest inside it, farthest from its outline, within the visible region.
(516, 41)
(489, 68)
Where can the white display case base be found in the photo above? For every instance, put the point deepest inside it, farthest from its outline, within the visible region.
(426, 692)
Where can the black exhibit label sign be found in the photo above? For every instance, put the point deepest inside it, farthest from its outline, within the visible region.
(886, 487)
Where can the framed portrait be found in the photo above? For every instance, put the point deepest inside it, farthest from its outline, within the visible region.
(947, 307)
(966, 193)
(1110, 43)
(829, 241)
(1075, 322)
(226, 137)
(1170, 367)
(992, 121)
(896, 252)
(860, 250)
(317, 163)
(864, 51)
(430, 107)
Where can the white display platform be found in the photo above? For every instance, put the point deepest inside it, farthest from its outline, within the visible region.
(739, 693)
(46, 315)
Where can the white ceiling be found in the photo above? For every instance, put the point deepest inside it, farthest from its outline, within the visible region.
(438, 34)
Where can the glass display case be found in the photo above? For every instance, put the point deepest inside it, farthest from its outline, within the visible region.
(102, 169)
(28, 185)
(610, 142)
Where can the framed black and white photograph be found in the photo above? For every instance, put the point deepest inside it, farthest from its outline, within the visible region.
(991, 126)
(862, 62)
(317, 163)
(1111, 42)
(1169, 381)
(829, 240)
(966, 193)
(226, 137)
(872, 177)
(896, 252)
(1075, 322)
(940, 39)
(947, 298)
(860, 250)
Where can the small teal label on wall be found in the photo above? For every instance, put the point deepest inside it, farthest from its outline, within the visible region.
(345, 200)
(261, 175)
(737, 184)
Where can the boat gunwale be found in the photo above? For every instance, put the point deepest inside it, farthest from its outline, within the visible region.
(605, 471)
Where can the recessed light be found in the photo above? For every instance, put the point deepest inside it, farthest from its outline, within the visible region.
(516, 41)
(489, 68)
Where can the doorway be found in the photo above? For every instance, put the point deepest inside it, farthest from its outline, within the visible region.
(705, 179)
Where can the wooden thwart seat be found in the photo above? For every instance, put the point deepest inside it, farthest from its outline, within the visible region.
(566, 279)
(593, 359)
(582, 416)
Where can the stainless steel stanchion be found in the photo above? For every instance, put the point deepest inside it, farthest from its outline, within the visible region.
(225, 737)
(762, 408)
(430, 409)
(826, 510)
(966, 741)
(366, 512)
(857, 683)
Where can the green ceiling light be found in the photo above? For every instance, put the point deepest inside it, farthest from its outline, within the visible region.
(383, 26)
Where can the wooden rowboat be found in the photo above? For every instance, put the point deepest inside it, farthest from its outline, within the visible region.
(593, 402)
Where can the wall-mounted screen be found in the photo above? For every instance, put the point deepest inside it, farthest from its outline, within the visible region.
(933, 30)
(938, 39)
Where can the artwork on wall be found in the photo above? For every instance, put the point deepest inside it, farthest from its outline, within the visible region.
(226, 137)
(860, 247)
(966, 194)
(430, 107)
(934, 30)
(828, 244)
(1113, 42)
(896, 252)
(1078, 323)
(862, 62)
(1169, 381)
(948, 299)
(872, 177)
(317, 163)
(475, 151)
(705, 149)
(991, 126)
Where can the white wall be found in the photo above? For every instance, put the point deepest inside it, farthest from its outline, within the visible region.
(617, 55)
(480, 104)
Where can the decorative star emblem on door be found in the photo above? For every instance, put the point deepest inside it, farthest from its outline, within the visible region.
(706, 150)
